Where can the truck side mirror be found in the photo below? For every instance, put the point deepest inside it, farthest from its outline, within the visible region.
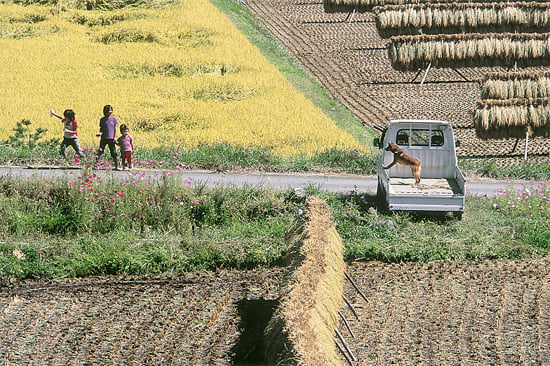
(376, 142)
(457, 143)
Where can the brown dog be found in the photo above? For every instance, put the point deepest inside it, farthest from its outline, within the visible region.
(400, 157)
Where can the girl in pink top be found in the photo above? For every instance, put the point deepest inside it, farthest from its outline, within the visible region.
(126, 143)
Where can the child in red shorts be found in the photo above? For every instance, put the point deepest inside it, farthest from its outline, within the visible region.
(126, 143)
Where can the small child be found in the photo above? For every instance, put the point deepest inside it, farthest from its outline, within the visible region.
(70, 136)
(126, 143)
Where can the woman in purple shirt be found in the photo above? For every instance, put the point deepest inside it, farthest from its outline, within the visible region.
(107, 131)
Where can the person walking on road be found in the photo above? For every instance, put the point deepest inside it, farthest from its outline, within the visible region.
(107, 132)
(70, 135)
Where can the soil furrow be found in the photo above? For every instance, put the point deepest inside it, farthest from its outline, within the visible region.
(544, 320)
(19, 351)
(21, 316)
(54, 328)
(201, 344)
(529, 314)
(508, 332)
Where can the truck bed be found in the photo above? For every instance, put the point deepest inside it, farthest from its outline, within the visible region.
(427, 186)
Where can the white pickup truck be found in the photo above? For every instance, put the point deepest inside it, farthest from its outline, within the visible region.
(442, 183)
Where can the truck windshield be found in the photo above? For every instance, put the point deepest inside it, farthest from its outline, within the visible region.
(414, 137)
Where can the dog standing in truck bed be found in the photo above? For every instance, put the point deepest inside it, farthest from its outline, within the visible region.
(399, 157)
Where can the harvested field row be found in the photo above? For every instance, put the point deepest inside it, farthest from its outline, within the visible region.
(193, 319)
(362, 78)
(518, 75)
(439, 313)
(511, 149)
(494, 312)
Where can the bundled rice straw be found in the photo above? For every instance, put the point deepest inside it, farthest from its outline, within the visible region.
(462, 17)
(301, 332)
(344, 6)
(513, 118)
(512, 85)
(469, 50)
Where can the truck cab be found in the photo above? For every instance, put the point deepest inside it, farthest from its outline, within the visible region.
(442, 185)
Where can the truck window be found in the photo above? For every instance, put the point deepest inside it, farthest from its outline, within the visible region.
(420, 137)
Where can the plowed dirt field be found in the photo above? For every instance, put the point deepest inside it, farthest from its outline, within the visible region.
(193, 319)
(444, 313)
(350, 59)
(491, 313)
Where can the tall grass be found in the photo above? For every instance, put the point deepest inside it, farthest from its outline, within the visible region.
(529, 202)
(177, 72)
(532, 169)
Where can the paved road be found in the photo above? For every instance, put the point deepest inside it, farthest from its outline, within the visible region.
(323, 182)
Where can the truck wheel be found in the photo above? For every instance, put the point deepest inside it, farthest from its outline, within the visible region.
(381, 199)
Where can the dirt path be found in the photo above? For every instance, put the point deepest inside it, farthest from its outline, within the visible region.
(351, 61)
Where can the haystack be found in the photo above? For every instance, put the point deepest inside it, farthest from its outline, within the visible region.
(437, 18)
(301, 331)
(335, 6)
(514, 85)
(346, 6)
(513, 118)
(409, 53)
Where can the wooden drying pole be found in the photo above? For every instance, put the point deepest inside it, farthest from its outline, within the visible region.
(356, 287)
(526, 143)
(350, 16)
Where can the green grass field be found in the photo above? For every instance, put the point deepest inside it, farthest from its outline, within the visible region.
(89, 226)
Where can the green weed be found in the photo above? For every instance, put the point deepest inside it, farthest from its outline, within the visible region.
(155, 224)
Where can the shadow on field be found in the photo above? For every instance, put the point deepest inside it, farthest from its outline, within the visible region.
(366, 202)
(254, 314)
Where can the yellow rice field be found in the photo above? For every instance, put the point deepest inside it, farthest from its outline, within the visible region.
(178, 74)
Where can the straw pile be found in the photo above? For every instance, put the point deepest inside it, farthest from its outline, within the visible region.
(301, 332)
(344, 6)
(469, 50)
(512, 118)
(512, 85)
(462, 17)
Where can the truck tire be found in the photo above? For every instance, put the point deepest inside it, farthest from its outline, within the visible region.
(381, 199)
